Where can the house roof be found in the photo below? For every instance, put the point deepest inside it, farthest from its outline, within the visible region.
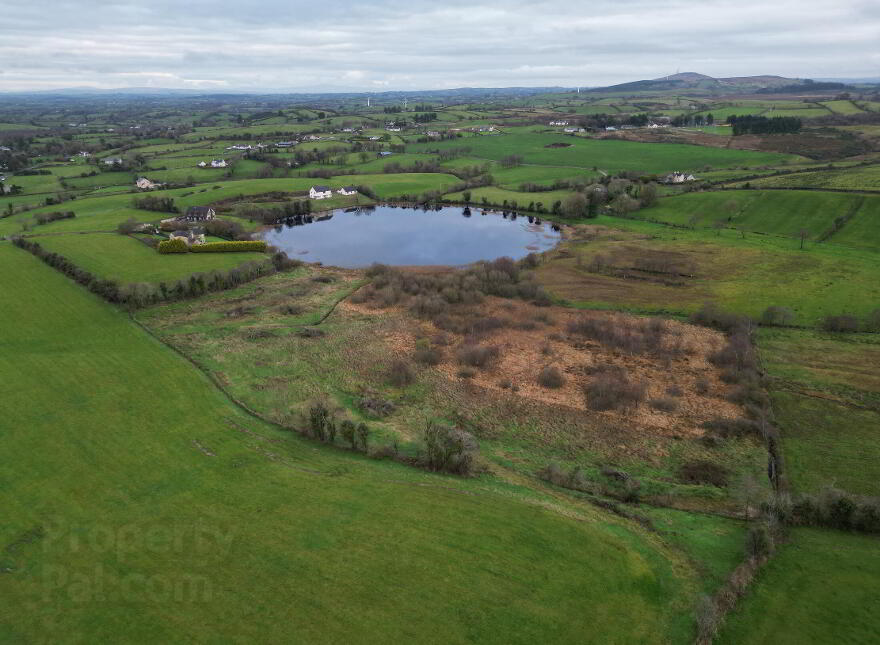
(320, 189)
(349, 189)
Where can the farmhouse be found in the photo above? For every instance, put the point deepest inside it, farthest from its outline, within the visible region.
(202, 164)
(112, 161)
(145, 184)
(559, 123)
(198, 214)
(285, 144)
(393, 128)
(240, 146)
(347, 190)
(320, 192)
(610, 128)
(190, 236)
(678, 178)
(218, 163)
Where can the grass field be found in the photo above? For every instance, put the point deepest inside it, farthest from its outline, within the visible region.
(161, 496)
(821, 588)
(826, 395)
(861, 178)
(608, 155)
(742, 274)
(123, 258)
(781, 213)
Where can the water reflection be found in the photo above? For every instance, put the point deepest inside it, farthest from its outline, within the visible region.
(400, 235)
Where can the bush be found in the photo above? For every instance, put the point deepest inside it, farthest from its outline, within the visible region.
(176, 245)
(475, 355)
(778, 316)
(230, 247)
(759, 541)
(840, 323)
(664, 404)
(711, 315)
(401, 374)
(551, 377)
(449, 449)
(427, 355)
(611, 389)
(703, 472)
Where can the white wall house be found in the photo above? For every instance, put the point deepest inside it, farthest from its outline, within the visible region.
(145, 184)
(559, 123)
(320, 192)
(347, 190)
(218, 163)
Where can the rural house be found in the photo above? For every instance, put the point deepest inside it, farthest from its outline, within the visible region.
(198, 214)
(347, 190)
(320, 192)
(112, 161)
(145, 184)
(559, 123)
(202, 164)
(678, 178)
(190, 236)
(218, 163)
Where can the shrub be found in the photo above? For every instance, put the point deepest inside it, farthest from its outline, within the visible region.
(475, 355)
(759, 541)
(551, 377)
(230, 247)
(702, 385)
(127, 227)
(401, 374)
(664, 404)
(611, 389)
(173, 246)
(449, 449)
(842, 323)
(374, 405)
(711, 315)
(427, 355)
(310, 332)
(348, 431)
(703, 472)
(778, 316)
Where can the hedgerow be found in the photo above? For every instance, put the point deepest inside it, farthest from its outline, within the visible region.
(230, 247)
(175, 245)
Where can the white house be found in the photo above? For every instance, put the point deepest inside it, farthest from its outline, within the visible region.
(218, 163)
(320, 192)
(145, 184)
(573, 130)
(285, 144)
(198, 214)
(348, 129)
(560, 123)
(610, 128)
(239, 146)
(347, 190)
(375, 138)
(678, 178)
(191, 236)
(202, 164)
(112, 161)
(84, 154)
(393, 129)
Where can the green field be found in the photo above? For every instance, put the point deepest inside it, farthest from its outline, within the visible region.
(145, 488)
(861, 178)
(125, 259)
(821, 588)
(782, 213)
(608, 155)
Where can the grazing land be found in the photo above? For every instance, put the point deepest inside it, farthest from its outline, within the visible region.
(666, 428)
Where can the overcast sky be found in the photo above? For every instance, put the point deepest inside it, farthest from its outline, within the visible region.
(291, 45)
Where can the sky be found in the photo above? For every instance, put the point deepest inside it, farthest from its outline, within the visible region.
(380, 45)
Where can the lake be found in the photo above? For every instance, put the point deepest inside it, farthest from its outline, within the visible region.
(405, 236)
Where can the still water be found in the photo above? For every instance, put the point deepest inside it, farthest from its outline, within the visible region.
(406, 236)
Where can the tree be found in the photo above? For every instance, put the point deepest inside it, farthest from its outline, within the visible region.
(466, 196)
(648, 195)
(802, 235)
(575, 205)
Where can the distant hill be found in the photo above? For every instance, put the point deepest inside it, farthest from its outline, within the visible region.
(685, 81)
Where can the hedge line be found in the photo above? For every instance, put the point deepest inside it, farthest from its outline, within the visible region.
(230, 247)
(176, 245)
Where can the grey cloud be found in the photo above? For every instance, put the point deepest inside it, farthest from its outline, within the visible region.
(417, 44)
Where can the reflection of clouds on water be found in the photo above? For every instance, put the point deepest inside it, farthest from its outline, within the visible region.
(407, 236)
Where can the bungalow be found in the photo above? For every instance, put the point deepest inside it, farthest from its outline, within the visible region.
(285, 144)
(348, 129)
(560, 123)
(375, 138)
(347, 190)
(202, 164)
(610, 128)
(84, 154)
(5, 149)
(218, 163)
(239, 146)
(432, 133)
(198, 214)
(320, 192)
(393, 129)
(113, 161)
(573, 130)
(145, 184)
(385, 153)
(190, 236)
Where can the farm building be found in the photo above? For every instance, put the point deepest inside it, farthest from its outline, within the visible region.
(320, 192)
(678, 178)
(202, 164)
(198, 214)
(112, 161)
(347, 190)
(285, 144)
(218, 163)
(190, 236)
(145, 184)
(560, 123)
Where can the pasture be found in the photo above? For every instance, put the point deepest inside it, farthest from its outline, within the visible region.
(273, 534)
